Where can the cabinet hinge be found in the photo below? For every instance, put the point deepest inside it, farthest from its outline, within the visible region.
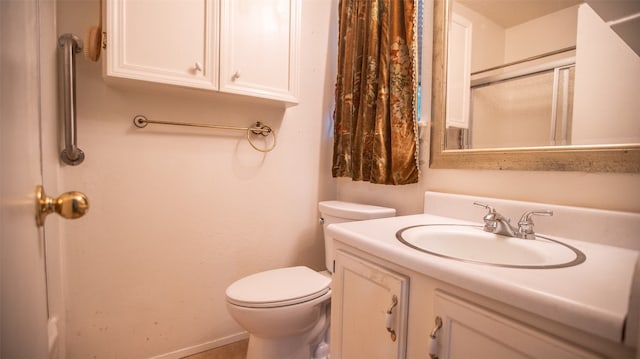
(104, 39)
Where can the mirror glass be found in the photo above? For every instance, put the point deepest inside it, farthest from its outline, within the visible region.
(539, 73)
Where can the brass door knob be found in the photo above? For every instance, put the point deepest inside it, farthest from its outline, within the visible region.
(69, 205)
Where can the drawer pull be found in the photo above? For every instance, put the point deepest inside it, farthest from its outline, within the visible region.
(391, 318)
(433, 342)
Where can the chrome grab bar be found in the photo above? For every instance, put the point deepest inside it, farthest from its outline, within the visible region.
(70, 45)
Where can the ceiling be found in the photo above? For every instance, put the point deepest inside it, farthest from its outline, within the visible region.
(623, 15)
(508, 13)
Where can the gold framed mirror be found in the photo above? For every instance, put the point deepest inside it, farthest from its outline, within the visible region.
(587, 158)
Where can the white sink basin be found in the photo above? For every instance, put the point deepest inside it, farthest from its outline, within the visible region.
(472, 244)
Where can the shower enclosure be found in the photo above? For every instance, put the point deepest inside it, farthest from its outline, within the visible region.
(529, 107)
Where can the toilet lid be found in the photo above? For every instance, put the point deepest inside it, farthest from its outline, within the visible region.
(278, 287)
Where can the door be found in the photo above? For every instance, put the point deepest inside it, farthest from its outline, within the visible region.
(23, 302)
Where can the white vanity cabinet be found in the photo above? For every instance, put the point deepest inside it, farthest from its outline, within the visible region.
(233, 46)
(369, 310)
(588, 310)
(474, 326)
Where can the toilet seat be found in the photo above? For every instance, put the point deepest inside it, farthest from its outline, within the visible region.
(278, 287)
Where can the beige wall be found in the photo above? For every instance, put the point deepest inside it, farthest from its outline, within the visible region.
(178, 214)
(488, 38)
(592, 190)
(615, 90)
(544, 34)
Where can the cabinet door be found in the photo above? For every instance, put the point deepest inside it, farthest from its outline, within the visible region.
(258, 48)
(362, 296)
(469, 331)
(170, 41)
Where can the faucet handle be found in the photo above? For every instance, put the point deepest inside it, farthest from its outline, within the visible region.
(491, 215)
(489, 219)
(491, 209)
(525, 224)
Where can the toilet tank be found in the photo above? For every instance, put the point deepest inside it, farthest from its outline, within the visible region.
(339, 212)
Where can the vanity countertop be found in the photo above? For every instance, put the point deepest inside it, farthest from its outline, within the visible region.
(592, 296)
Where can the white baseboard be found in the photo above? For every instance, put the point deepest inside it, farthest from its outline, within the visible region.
(181, 353)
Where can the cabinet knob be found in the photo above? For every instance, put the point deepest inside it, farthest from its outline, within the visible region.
(197, 66)
(235, 76)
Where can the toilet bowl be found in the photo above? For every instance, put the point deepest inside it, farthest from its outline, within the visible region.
(286, 311)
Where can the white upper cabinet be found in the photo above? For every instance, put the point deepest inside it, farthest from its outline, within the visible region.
(259, 48)
(234, 46)
(172, 42)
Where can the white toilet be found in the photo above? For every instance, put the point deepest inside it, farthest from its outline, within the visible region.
(286, 311)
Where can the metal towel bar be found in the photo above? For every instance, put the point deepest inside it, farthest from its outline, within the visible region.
(70, 45)
(259, 128)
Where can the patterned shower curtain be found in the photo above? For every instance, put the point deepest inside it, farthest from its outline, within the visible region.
(375, 125)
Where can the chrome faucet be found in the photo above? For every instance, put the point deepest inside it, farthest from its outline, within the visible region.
(496, 223)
